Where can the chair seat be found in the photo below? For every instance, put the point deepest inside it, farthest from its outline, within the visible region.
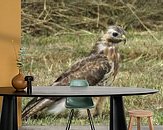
(140, 113)
(79, 102)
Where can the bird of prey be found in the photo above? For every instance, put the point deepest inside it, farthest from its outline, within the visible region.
(97, 68)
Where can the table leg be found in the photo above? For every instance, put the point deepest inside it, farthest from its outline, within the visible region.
(117, 115)
(9, 113)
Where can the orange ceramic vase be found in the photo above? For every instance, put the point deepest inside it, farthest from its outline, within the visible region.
(18, 82)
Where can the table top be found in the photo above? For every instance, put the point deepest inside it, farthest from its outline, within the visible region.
(66, 91)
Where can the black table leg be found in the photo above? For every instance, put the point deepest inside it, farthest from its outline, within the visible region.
(9, 113)
(117, 115)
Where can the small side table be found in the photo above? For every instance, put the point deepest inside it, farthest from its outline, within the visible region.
(139, 114)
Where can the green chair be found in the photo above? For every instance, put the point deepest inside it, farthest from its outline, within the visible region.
(79, 103)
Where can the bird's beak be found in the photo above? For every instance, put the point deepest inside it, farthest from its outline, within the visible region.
(124, 39)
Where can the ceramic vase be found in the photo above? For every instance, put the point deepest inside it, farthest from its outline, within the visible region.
(18, 82)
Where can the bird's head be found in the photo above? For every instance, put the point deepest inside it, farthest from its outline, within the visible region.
(114, 35)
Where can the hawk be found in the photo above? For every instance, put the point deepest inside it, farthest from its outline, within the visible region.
(97, 68)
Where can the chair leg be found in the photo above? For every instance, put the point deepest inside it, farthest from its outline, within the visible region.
(130, 123)
(138, 123)
(150, 123)
(70, 119)
(90, 120)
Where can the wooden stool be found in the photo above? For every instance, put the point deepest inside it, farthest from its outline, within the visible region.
(138, 114)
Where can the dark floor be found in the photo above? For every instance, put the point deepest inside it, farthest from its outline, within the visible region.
(79, 128)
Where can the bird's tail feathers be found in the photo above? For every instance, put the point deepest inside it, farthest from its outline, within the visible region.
(57, 107)
(36, 106)
(32, 102)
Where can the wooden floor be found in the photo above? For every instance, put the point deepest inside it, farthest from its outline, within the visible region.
(79, 128)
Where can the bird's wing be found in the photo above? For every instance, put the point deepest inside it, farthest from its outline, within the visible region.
(92, 68)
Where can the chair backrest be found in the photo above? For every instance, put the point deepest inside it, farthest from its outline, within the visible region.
(79, 102)
(79, 83)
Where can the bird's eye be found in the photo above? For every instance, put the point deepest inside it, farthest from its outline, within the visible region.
(115, 34)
